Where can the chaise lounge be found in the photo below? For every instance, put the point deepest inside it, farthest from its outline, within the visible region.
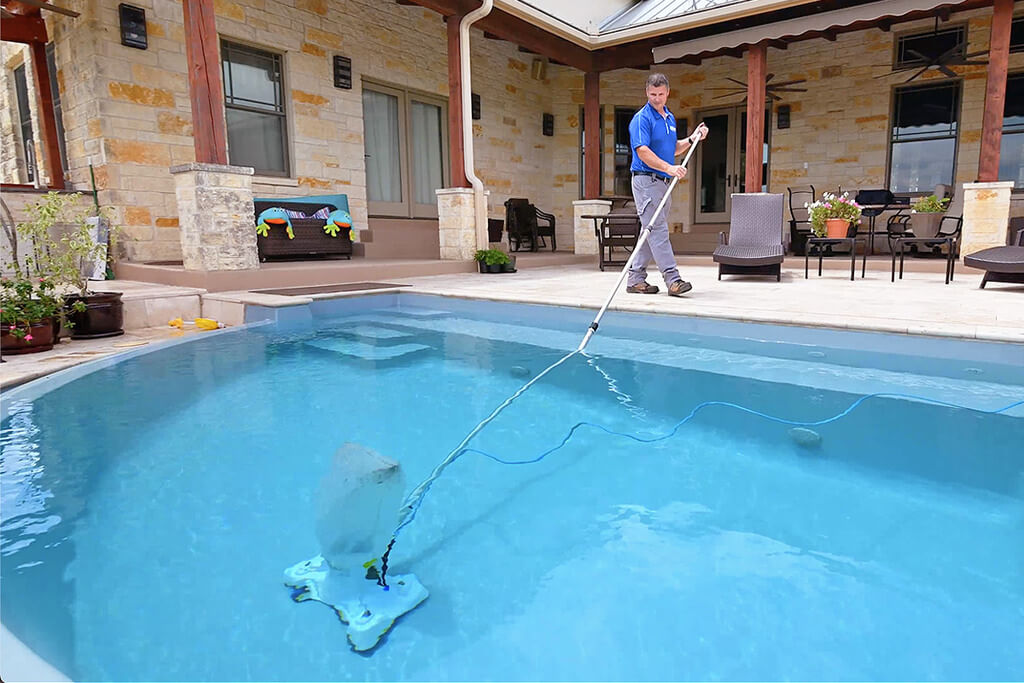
(1001, 264)
(754, 245)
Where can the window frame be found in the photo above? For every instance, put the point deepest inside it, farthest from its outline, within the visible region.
(1017, 23)
(407, 208)
(957, 83)
(1015, 130)
(23, 102)
(227, 46)
(58, 106)
(916, 33)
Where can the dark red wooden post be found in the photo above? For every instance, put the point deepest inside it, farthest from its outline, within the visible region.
(756, 58)
(995, 91)
(592, 134)
(455, 146)
(204, 80)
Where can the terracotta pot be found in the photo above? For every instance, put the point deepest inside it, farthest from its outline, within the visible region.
(836, 227)
(42, 338)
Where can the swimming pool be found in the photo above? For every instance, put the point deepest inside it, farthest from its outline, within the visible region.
(150, 507)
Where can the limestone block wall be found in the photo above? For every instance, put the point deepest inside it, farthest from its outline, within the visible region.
(839, 127)
(128, 112)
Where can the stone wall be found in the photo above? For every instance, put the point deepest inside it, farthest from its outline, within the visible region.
(127, 111)
(839, 127)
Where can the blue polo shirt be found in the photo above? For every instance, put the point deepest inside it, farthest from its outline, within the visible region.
(657, 132)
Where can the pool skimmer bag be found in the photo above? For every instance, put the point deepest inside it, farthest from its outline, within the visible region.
(356, 513)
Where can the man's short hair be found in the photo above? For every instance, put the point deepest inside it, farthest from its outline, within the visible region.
(656, 80)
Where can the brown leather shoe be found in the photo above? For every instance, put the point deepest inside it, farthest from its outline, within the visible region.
(679, 287)
(642, 288)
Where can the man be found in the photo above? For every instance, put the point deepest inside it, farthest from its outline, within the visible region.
(652, 136)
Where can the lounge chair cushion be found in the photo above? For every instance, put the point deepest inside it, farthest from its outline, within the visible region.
(741, 255)
(998, 259)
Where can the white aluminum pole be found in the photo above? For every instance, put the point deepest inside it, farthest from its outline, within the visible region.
(639, 243)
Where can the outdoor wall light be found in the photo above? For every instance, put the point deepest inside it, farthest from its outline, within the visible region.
(475, 106)
(133, 26)
(342, 72)
(782, 116)
(548, 125)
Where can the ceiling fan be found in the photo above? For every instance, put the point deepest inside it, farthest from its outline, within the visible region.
(770, 88)
(936, 56)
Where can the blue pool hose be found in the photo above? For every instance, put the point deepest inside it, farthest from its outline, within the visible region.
(413, 501)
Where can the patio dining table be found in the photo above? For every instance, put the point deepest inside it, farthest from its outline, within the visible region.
(875, 210)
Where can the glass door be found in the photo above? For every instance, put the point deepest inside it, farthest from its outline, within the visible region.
(721, 162)
(715, 166)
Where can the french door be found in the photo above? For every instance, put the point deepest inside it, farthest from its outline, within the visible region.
(721, 161)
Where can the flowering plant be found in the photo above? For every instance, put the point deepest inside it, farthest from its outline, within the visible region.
(931, 204)
(831, 206)
(24, 301)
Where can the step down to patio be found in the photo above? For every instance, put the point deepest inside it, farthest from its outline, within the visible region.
(363, 351)
(329, 289)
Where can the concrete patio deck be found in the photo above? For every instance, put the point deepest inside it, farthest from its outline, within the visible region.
(920, 304)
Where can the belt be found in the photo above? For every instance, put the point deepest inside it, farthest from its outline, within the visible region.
(653, 175)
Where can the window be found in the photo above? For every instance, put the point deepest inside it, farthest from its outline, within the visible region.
(1017, 35)
(25, 123)
(405, 139)
(922, 147)
(58, 111)
(254, 109)
(583, 159)
(623, 152)
(918, 49)
(1011, 150)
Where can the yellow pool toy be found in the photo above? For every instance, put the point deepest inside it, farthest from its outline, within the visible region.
(200, 323)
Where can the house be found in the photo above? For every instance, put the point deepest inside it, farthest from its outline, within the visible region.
(365, 98)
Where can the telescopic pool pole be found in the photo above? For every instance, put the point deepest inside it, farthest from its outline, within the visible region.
(639, 243)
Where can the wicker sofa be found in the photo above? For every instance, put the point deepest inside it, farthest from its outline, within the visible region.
(310, 239)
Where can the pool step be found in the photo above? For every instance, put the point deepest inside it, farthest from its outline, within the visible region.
(372, 332)
(363, 351)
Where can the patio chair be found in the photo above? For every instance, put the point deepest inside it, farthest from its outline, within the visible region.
(948, 236)
(1001, 264)
(875, 203)
(526, 223)
(617, 230)
(799, 220)
(754, 244)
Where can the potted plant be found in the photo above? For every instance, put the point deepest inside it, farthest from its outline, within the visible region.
(926, 215)
(65, 247)
(492, 260)
(28, 310)
(831, 216)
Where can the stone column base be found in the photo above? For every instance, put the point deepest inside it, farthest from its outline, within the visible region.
(986, 216)
(215, 213)
(584, 237)
(456, 223)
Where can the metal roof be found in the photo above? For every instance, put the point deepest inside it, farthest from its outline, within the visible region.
(649, 11)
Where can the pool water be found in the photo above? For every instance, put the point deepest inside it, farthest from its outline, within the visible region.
(149, 508)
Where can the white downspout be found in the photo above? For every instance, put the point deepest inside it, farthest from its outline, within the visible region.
(479, 200)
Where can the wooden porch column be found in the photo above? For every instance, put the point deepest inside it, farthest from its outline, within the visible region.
(756, 58)
(47, 117)
(204, 82)
(995, 91)
(457, 152)
(592, 134)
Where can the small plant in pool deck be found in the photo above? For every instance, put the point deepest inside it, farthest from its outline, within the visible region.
(930, 204)
(491, 257)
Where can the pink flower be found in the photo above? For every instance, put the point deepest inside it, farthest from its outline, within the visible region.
(28, 337)
(828, 206)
